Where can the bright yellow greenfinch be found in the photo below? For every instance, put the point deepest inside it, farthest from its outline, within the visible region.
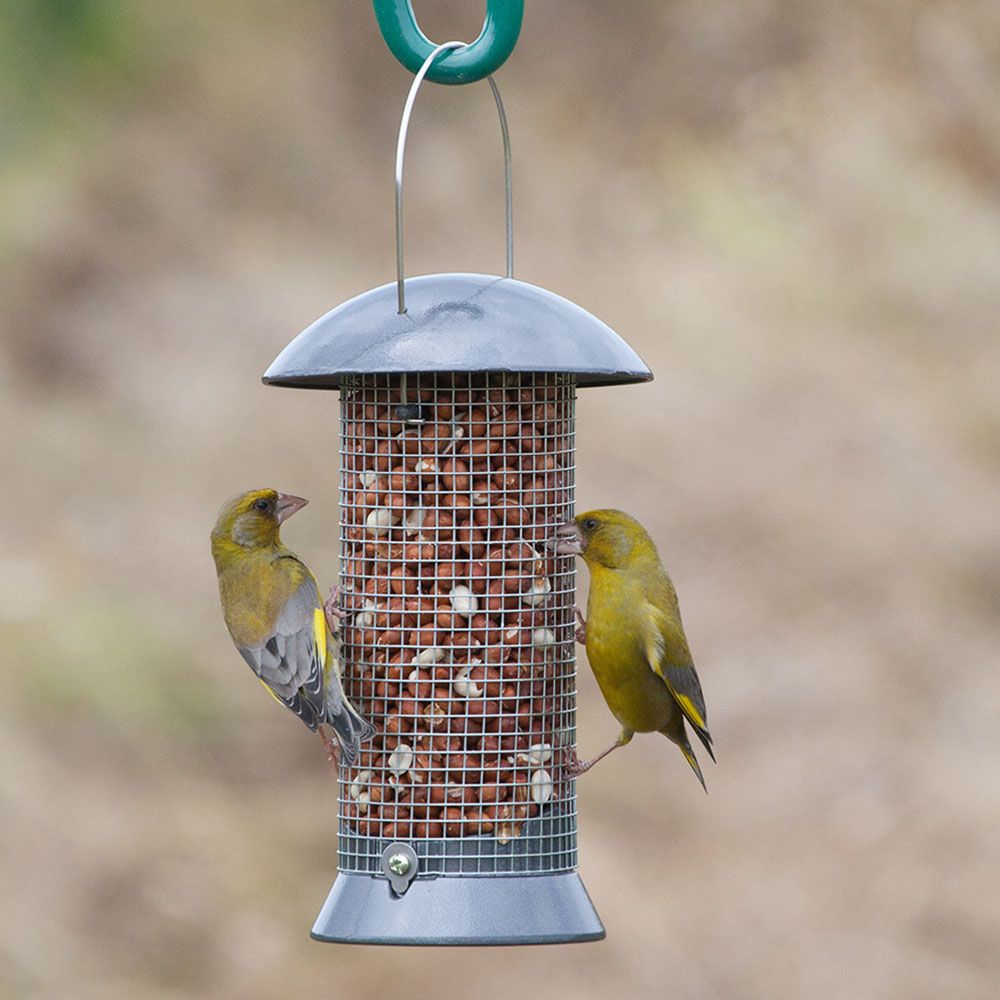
(633, 633)
(273, 611)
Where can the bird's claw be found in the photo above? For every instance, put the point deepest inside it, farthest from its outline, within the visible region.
(332, 751)
(581, 628)
(333, 614)
(574, 767)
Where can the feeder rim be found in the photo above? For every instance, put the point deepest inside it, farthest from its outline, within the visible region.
(533, 330)
(291, 380)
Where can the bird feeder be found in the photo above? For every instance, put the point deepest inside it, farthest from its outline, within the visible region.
(458, 822)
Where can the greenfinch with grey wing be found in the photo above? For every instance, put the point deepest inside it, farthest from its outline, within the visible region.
(633, 635)
(272, 608)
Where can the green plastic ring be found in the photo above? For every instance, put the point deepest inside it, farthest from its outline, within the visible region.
(485, 55)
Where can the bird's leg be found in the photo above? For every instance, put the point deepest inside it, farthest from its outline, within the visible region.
(334, 615)
(575, 767)
(581, 629)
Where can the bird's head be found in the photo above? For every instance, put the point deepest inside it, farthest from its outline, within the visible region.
(607, 537)
(253, 520)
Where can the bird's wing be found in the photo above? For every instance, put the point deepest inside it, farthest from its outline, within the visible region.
(672, 662)
(291, 661)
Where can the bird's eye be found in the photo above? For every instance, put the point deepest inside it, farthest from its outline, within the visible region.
(590, 524)
(261, 504)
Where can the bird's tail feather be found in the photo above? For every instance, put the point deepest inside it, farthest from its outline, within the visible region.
(351, 729)
(693, 761)
(675, 731)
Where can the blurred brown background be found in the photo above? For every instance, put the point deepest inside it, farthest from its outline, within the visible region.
(791, 210)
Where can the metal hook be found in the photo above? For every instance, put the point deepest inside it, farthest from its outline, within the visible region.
(401, 146)
(501, 26)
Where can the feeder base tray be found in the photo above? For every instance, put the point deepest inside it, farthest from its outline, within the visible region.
(457, 910)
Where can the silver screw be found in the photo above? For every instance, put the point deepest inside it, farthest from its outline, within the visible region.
(399, 864)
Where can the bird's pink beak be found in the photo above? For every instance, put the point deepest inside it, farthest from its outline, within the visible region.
(568, 541)
(288, 505)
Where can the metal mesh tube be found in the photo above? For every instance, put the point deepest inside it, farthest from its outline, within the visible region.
(458, 630)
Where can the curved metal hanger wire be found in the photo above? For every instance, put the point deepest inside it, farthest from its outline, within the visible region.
(401, 147)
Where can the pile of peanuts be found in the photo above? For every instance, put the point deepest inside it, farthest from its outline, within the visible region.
(457, 635)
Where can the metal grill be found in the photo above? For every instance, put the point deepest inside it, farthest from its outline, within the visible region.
(458, 628)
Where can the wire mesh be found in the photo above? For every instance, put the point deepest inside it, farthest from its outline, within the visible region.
(457, 639)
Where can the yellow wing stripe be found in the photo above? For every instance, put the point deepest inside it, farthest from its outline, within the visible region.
(319, 630)
(271, 693)
(687, 705)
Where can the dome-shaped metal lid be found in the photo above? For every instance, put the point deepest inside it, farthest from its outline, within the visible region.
(457, 323)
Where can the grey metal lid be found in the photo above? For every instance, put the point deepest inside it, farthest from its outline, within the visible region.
(457, 323)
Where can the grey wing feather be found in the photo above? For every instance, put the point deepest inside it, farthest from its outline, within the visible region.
(288, 663)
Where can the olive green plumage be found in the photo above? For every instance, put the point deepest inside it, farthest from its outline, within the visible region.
(634, 637)
(272, 607)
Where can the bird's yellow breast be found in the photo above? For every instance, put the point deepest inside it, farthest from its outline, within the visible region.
(616, 650)
(254, 587)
